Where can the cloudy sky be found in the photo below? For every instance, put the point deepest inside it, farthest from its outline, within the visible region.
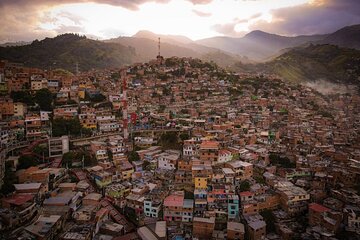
(25, 20)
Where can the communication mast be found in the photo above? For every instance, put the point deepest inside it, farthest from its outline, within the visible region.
(125, 112)
(159, 48)
(159, 58)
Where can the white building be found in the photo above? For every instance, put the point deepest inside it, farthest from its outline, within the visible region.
(224, 156)
(58, 146)
(168, 160)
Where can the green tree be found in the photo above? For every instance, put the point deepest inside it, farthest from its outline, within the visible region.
(166, 91)
(41, 150)
(170, 62)
(357, 188)
(235, 156)
(96, 98)
(244, 186)
(188, 195)
(269, 219)
(44, 99)
(22, 96)
(162, 108)
(68, 158)
(63, 126)
(146, 165)
(133, 156)
(77, 156)
(169, 140)
(184, 111)
(259, 179)
(184, 136)
(110, 154)
(9, 180)
(284, 111)
(27, 161)
(284, 162)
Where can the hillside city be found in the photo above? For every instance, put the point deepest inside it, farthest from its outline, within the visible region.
(175, 148)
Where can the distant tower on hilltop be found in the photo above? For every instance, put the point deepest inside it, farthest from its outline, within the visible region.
(124, 100)
(160, 59)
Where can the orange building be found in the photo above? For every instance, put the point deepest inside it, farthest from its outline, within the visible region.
(203, 228)
(235, 231)
(185, 164)
(6, 107)
(209, 151)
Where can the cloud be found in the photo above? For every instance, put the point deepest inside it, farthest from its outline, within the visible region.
(77, 20)
(129, 4)
(21, 24)
(228, 29)
(203, 2)
(315, 17)
(66, 29)
(201, 14)
(20, 19)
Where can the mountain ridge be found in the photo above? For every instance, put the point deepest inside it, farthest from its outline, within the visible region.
(312, 63)
(66, 50)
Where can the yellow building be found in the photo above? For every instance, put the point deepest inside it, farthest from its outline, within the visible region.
(127, 174)
(20, 109)
(81, 94)
(126, 169)
(201, 182)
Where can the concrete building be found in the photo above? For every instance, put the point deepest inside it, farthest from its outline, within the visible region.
(293, 199)
(235, 231)
(152, 208)
(256, 226)
(20, 109)
(203, 228)
(178, 209)
(58, 146)
(209, 151)
(233, 206)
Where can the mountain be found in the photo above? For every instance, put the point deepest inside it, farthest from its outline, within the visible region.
(13, 44)
(64, 51)
(345, 37)
(258, 45)
(312, 63)
(163, 38)
(175, 40)
(147, 49)
(145, 44)
(68, 49)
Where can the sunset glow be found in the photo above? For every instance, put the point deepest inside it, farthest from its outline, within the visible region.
(107, 19)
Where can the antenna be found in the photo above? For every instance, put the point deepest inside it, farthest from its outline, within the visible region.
(159, 48)
(124, 100)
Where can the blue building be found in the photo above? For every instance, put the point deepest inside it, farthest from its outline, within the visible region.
(233, 206)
